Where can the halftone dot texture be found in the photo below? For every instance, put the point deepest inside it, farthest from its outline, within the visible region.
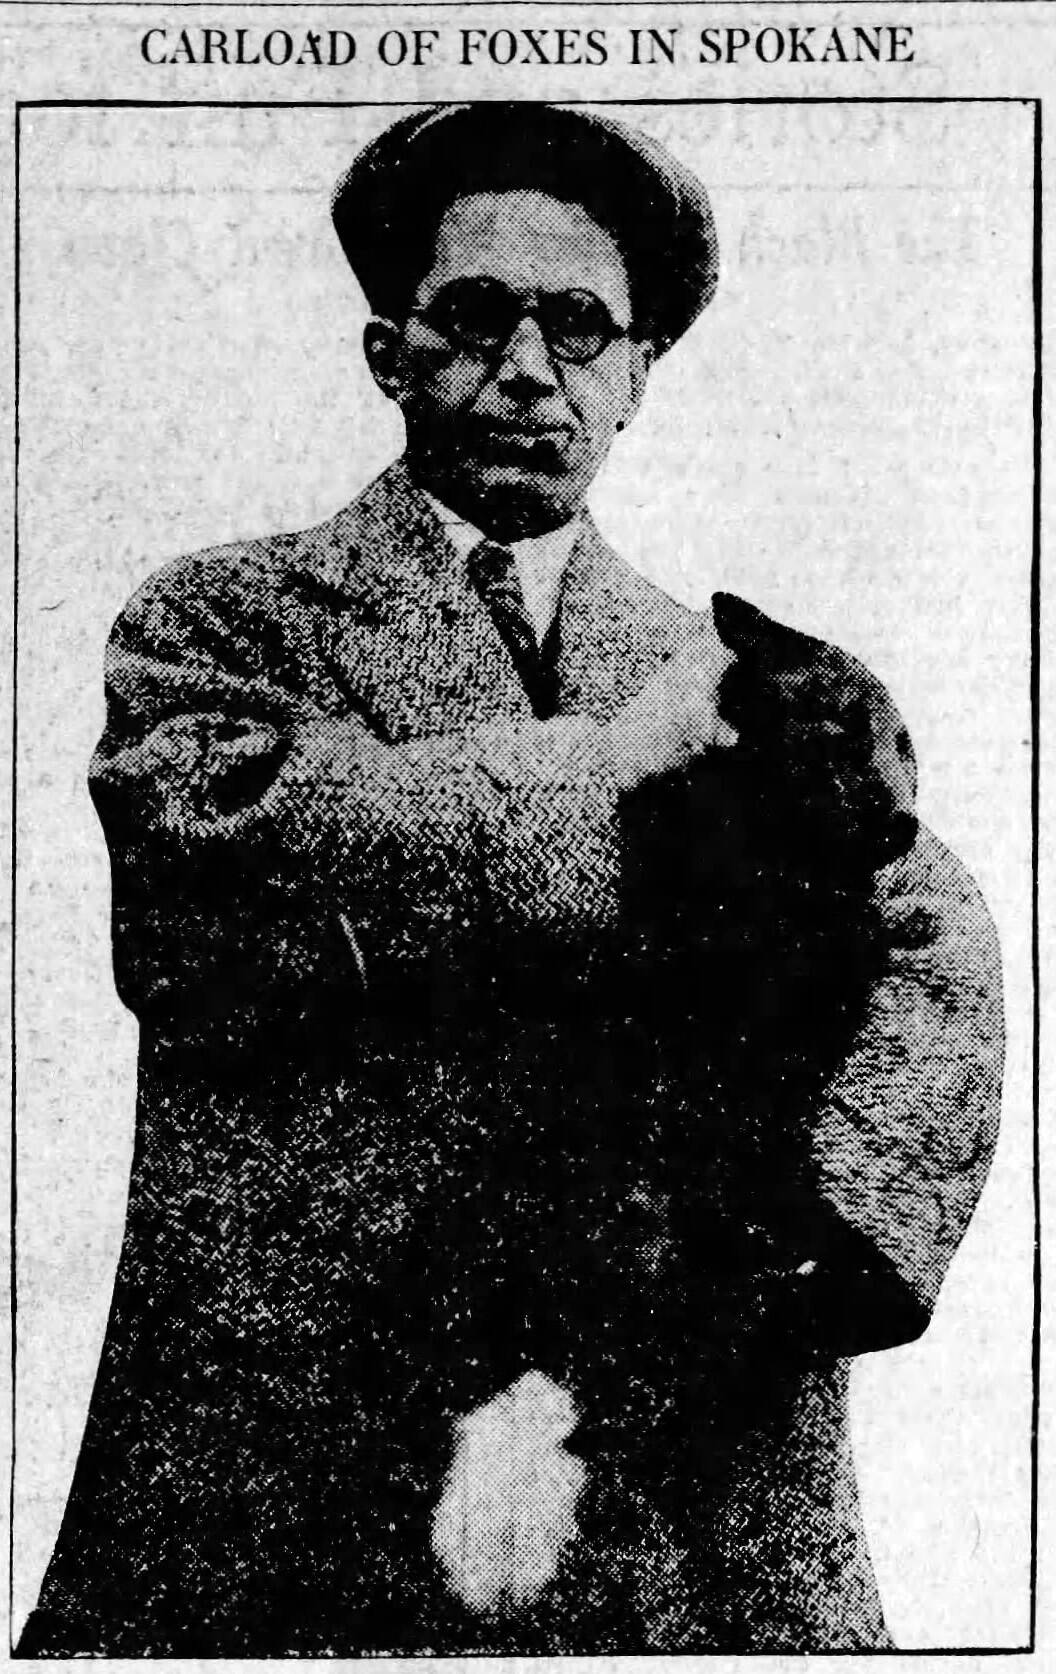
(518, 1163)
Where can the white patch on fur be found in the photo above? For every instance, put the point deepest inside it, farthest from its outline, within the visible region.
(508, 1507)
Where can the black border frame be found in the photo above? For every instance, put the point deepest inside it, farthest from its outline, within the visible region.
(1035, 676)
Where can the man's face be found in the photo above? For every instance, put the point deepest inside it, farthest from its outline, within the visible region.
(512, 436)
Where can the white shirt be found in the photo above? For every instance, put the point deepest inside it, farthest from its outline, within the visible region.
(541, 561)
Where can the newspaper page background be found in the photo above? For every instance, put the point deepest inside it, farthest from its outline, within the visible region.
(846, 437)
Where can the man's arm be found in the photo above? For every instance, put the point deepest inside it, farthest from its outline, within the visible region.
(845, 1247)
(906, 1128)
(266, 850)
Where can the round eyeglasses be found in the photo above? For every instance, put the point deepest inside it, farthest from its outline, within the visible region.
(482, 314)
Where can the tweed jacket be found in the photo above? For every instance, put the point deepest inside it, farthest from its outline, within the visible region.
(422, 1107)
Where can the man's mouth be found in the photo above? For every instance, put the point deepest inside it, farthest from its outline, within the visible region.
(529, 432)
(503, 442)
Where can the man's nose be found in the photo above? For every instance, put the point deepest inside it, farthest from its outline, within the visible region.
(527, 358)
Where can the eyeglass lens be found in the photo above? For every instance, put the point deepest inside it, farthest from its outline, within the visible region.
(482, 315)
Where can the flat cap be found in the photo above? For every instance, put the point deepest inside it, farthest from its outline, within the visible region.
(388, 205)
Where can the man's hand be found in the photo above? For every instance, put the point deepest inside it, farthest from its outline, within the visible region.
(833, 760)
(674, 719)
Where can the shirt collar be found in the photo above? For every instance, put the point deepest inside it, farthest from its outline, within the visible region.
(541, 561)
(550, 551)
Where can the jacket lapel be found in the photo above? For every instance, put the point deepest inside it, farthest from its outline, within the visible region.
(415, 648)
(616, 629)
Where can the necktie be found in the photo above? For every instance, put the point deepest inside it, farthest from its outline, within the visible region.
(493, 572)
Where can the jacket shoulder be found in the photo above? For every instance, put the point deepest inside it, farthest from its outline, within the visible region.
(355, 550)
(243, 575)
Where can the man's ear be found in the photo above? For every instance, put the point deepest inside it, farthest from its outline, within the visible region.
(641, 359)
(383, 348)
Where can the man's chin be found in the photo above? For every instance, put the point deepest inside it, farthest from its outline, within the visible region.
(510, 495)
(524, 498)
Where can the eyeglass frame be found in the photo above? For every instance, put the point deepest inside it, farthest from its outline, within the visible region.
(530, 302)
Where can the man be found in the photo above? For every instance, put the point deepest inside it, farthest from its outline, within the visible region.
(561, 1049)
